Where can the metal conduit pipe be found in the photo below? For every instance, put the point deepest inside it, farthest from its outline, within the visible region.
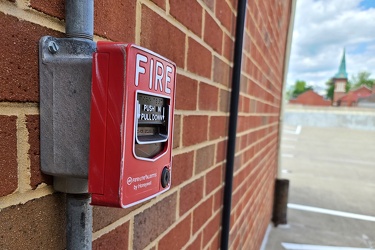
(79, 19)
(78, 221)
(236, 77)
(79, 23)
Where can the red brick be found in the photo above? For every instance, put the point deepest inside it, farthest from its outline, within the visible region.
(228, 47)
(225, 15)
(153, 221)
(19, 58)
(218, 127)
(186, 93)
(211, 229)
(195, 129)
(253, 105)
(205, 158)
(160, 36)
(196, 244)
(199, 59)
(178, 236)
(201, 214)
(37, 177)
(192, 19)
(160, 3)
(190, 195)
(182, 168)
(8, 155)
(234, 4)
(176, 131)
(237, 162)
(115, 20)
(55, 8)
(221, 151)
(214, 179)
(244, 82)
(246, 105)
(236, 242)
(208, 97)
(218, 199)
(213, 35)
(104, 216)
(222, 72)
(210, 4)
(224, 100)
(215, 244)
(247, 43)
(37, 224)
(115, 239)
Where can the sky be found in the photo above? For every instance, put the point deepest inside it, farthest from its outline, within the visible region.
(322, 29)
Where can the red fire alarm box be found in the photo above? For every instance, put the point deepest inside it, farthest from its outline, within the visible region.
(131, 124)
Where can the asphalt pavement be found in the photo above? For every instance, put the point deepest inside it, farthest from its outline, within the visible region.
(332, 190)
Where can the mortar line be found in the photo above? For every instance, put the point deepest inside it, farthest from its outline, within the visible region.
(32, 16)
(18, 198)
(182, 28)
(23, 4)
(131, 233)
(138, 22)
(23, 160)
(11, 108)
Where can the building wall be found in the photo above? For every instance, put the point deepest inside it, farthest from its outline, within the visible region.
(350, 99)
(310, 98)
(198, 36)
(362, 118)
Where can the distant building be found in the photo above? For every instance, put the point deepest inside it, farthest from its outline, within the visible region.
(352, 97)
(340, 80)
(369, 101)
(310, 98)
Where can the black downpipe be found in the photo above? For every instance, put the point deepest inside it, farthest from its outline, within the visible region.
(231, 147)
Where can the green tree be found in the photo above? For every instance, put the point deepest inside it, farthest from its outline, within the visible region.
(298, 88)
(362, 78)
(330, 89)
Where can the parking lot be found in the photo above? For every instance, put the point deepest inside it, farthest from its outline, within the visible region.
(332, 190)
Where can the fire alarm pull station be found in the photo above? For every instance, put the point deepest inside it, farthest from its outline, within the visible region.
(131, 124)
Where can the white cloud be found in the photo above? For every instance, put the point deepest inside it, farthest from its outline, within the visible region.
(322, 29)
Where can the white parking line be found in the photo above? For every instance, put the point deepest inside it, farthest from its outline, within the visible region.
(266, 236)
(294, 132)
(331, 212)
(292, 246)
(288, 146)
(298, 129)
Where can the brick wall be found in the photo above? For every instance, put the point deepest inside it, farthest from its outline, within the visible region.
(198, 36)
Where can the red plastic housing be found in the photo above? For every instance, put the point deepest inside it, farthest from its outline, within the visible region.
(132, 108)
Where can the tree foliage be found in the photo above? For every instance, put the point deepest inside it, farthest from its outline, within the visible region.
(330, 89)
(362, 78)
(298, 88)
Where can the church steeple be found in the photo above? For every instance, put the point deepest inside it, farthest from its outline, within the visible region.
(340, 80)
(342, 69)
